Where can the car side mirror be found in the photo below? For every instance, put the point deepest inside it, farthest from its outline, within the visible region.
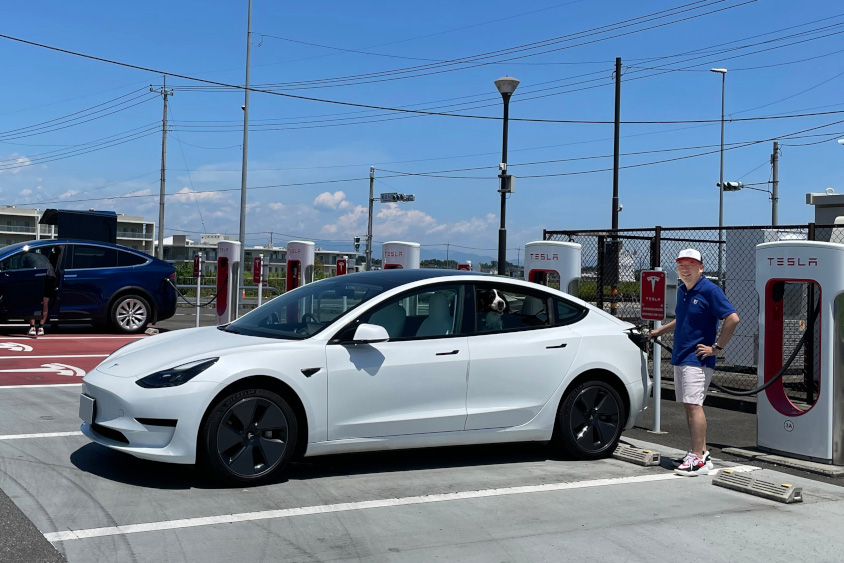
(367, 334)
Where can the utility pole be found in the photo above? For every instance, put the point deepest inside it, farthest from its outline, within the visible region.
(447, 247)
(614, 245)
(775, 184)
(369, 226)
(242, 232)
(164, 93)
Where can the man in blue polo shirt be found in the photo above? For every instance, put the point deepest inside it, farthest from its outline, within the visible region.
(700, 305)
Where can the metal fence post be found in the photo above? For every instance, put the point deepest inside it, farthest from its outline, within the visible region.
(657, 393)
(599, 278)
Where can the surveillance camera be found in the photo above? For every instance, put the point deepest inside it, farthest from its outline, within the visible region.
(243, 107)
(502, 166)
(620, 207)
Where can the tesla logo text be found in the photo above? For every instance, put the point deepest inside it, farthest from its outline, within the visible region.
(543, 256)
(653, 280)
(791, 261)
(393, 253)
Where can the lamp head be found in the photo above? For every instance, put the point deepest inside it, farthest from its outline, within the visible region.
(506, 85)
(718, 70)
(841, 141)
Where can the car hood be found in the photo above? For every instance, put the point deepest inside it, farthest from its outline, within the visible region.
(171, 349)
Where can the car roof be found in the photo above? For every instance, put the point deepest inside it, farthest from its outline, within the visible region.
(396, 277)
(36, 243)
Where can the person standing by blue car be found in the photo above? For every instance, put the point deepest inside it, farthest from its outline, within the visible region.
(700, 305)
(51, 283)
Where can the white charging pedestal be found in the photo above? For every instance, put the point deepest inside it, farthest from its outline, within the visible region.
(550, 263)
(228, 274)
(802, 414)
(400, 255)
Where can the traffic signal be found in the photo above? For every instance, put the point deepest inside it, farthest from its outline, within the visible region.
(357, 243)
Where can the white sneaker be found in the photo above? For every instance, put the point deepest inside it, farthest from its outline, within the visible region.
(40, 331)
(31, 331)
(706, 457)
(692, 466)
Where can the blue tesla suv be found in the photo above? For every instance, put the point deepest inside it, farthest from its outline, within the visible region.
(97, 283)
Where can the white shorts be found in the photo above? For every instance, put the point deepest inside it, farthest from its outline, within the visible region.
(691, 383)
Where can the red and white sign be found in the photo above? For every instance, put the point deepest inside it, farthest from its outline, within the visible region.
(652, 295)
(257, 266)
(341, 267)
(196, 267)
(466, 267)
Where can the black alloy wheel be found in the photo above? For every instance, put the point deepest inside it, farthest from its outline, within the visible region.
(249, 437)
(590, 421)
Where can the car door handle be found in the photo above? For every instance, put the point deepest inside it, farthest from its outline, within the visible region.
(70, 275)
(448, 353)
(563, 345)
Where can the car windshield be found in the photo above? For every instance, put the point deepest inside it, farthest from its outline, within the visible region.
(305, 311)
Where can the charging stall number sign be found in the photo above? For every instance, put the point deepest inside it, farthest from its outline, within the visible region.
(196, 266)
(652, 295)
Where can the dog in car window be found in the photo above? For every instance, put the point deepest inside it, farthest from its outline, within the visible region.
(492, 304)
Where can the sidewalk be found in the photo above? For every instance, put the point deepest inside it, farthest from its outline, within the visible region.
(727, 427)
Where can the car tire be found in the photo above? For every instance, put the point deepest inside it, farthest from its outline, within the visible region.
(589, 421)
(248, 437)
(130, 314)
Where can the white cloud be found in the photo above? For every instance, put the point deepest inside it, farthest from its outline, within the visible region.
(329, 201)
(187, 195)
(26, 192)
(14, 165)
(68, 194)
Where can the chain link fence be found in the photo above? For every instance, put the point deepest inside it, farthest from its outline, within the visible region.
(611, 263)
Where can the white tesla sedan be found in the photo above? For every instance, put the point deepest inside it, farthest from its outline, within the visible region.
(372, 361)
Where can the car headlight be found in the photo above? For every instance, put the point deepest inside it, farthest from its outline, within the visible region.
(176, 376)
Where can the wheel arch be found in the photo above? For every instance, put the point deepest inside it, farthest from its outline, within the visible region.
(600, 374)
(270, 384)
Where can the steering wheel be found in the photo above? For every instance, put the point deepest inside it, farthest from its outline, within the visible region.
(310, 317)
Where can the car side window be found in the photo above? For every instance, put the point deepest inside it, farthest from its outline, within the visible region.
(31, 259)
(129, 259)
(90, 256)
(500, 308)
(428, 313)
(566, 313)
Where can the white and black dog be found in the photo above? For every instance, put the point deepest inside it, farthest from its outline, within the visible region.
(493, 305)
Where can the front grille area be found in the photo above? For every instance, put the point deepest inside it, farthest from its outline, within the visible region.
(110, 434)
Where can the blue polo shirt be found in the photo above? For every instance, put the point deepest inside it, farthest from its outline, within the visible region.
(697, 314)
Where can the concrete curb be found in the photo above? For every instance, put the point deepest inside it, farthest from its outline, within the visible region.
(810, 466)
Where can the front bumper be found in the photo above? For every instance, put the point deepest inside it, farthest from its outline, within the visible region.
(155, 424)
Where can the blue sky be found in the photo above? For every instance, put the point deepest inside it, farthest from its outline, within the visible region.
(784, 58)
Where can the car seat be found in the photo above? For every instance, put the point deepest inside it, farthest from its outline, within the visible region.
(439, 321)
(532, 306)
(391, 318)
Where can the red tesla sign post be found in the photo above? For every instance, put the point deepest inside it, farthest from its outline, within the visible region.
(652, 301)
(197, 273)
(341, 266)
(257, 269)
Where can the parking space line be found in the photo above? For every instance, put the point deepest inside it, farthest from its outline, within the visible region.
(42, 435)
(69, 535)
(43, 338)
(4, 387)
(22, 357)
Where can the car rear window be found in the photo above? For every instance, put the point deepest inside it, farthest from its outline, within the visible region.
(129, 259)
(85, 256)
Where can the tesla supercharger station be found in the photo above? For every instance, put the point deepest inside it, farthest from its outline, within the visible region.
(400, 255)
(300, 263)
(798, 281)
(228, 272)
(549, 262)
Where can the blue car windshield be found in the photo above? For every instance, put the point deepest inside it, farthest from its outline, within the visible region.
(305, 311)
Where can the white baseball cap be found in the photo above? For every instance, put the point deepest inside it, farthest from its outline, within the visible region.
(690, 253)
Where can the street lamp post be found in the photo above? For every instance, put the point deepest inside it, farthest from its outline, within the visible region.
(723, 73)
(506, 86)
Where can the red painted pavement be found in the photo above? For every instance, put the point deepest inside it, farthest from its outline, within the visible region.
(54, 359)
